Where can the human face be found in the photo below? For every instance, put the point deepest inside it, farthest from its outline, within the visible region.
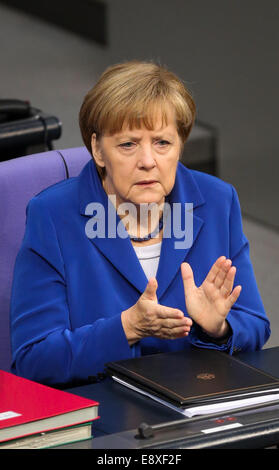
(140, 163)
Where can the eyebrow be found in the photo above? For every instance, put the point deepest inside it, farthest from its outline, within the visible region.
(137, 139)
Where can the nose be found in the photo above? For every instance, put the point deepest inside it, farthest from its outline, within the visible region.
(146, 158)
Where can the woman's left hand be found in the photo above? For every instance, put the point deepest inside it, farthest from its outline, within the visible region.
(209, 304)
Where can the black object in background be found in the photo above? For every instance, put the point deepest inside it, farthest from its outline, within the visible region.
(87, 18)
(202, 148)
(25, 130)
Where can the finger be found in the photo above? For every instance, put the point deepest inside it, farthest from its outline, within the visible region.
(173, 324)
(187, 277)
(150, 290)
(174, 333)
(234, 296)
(223, 271)
(211, 276)
(172, 313)
(227, 286)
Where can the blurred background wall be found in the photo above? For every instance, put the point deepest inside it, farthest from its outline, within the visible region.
(226, 52)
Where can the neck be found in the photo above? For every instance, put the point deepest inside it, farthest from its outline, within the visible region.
(140, 220)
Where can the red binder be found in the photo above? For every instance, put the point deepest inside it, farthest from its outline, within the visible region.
(27, 408)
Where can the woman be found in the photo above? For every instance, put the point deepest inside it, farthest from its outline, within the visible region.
(85, 294)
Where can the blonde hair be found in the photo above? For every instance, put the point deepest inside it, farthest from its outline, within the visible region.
(130, 94)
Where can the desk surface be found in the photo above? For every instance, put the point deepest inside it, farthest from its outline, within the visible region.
(122, 409)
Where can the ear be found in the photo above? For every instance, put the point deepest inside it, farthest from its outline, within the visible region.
(96, 151)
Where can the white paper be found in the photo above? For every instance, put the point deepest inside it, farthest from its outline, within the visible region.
(8, 415)
(229, 405)
(213, 407)
(142, 392)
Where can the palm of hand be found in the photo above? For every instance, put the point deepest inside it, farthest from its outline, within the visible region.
(209, 304)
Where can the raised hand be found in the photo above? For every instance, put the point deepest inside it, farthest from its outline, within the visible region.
(209, 304)
(148, 318)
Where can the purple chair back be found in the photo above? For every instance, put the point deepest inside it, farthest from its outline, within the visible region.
(20, 180)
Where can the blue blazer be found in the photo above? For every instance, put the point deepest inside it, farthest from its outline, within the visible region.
(69, 290)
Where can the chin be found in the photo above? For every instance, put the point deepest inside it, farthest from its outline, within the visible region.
(147, 197)
(148, 200)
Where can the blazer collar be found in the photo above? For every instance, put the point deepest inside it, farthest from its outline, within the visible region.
(119, 251)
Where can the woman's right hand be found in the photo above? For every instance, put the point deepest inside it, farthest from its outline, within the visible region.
(148, 318)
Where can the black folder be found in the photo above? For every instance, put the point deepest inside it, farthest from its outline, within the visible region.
(193, 377)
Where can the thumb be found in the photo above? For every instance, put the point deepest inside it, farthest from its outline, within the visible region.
(150, 290)
(188, 277)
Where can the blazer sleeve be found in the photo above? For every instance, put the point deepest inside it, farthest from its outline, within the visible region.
(248, 321)
(45, 347)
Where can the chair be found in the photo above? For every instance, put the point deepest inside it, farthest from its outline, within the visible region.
(20, 180)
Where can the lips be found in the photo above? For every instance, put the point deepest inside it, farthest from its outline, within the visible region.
(146, 182)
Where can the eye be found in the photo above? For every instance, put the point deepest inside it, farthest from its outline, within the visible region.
(163, 143)
(127, 145)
